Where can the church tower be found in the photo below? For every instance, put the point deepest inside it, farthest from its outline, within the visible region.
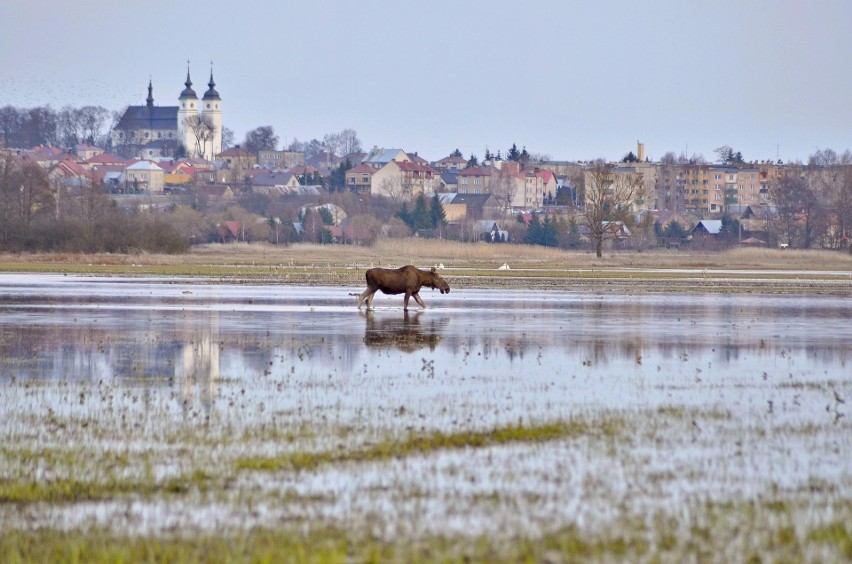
(187, 108)
(211, 112)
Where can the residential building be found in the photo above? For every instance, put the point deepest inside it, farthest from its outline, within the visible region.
(280, 160)
(475, 180)
(378, 158)
(144, 176)
(360, 178)
(472, 206)
(450, 163)
(275, 183)
(404, 180)
(85, 151)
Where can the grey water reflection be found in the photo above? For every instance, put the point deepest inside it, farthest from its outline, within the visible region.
(409, 332)
(154, 332)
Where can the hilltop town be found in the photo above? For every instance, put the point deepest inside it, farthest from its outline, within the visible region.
(163, 178)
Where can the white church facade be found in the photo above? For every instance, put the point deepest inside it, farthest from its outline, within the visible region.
(193, 128)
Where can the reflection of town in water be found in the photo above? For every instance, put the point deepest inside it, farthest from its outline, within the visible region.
(302, 332)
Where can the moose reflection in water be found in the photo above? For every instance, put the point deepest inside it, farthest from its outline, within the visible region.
(407, 333)
(406, 280)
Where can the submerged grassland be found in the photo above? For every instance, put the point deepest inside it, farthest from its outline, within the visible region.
(476, 266)
(95, 471)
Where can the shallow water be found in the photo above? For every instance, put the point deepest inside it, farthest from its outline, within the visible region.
(181, 352)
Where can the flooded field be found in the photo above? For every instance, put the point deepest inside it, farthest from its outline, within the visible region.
(493, 425)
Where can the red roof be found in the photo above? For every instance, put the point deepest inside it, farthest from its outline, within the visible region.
(105, 159)
(414, 167)
(234, 152)
(233, 227)
(300, 170)
(546, 175)
(476, 171)
(362, 168)
(70, 168)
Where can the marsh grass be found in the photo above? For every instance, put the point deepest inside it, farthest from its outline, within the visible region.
(271, 259)
(424, 444)
(731, 531)
(70, 490)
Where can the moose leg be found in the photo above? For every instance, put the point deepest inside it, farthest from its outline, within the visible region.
(366, 295)
(405, 303)
(419, 300)
(370, 300)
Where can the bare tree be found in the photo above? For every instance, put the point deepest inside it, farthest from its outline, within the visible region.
(504, 187)
(261, 138)
(799, 213)
(10, 126)
(396, 189)
(202, 130)
(332, 143)
(227, 138)
(349, 142)
(93, 123)
(608, 198)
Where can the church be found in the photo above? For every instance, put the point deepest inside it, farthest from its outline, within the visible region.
(193, 128)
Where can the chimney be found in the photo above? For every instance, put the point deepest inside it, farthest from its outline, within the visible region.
(640, 151)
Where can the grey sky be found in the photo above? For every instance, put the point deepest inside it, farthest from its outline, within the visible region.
(573, 79)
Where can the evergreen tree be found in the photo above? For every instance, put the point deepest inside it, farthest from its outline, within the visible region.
(421, 217)
(524, 157)
(456, 153)
(404, 215)
(730, 230)
(337, 181)
(544, 233)
(327, 217)
(674, 230)
(533, 234)
(472, 161)
(437, 213)
(513, 155)
(488, 155)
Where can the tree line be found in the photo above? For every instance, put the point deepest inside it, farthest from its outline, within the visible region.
(66, 127)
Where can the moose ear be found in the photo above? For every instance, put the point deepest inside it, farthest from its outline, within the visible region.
(434, 270)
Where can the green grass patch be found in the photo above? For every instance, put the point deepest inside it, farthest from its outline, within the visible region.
(68, 490)
(424, 444)
(735, 531)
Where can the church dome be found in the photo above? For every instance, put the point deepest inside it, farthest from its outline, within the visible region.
(211, 93)
(188, 92)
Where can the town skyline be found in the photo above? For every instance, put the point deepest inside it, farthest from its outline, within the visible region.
(571, 80)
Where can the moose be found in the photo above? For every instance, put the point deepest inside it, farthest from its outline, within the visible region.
(405, 280)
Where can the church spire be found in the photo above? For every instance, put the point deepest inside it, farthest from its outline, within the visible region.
(149, 101)
(211, 91)
(188, 92)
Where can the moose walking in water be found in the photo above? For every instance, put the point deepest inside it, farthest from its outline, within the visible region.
(405, 280)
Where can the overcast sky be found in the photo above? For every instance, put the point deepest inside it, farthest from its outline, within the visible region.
(571, 79)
